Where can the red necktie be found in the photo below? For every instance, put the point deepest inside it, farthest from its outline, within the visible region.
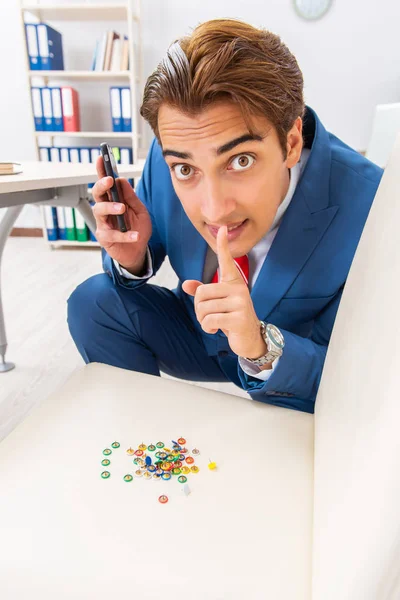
(242, 263)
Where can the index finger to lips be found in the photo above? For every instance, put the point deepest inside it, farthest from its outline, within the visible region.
(227, 266)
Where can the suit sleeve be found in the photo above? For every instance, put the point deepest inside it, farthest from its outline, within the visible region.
(294, 382)
(155, 246)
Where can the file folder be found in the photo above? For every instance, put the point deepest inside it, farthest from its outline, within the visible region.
(85, 155)
(80, 225)
(37, 108)
(44, 153)
(126, 109)
(47, 109)
(60, 210)
(64, 154)
(50, 218)
(70, 223)
(55, 154)
(50, 48)
(115, 101)
(32, 47)
(74, 155)
(126, 159)
(94, 153)
(81, 229)
(58, 124)
(70, 106)
(68, 211)
(86, 158)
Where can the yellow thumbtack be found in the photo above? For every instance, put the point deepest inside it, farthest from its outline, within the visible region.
(212, 465)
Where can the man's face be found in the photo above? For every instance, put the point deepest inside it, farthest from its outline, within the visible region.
(222, 182)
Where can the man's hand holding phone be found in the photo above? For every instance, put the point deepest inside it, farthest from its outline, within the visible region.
(129, 248)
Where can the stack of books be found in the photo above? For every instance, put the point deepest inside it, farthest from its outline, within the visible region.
(10, 168)
(44, 46)
(66, 223)
(111, 53)
(56, 108)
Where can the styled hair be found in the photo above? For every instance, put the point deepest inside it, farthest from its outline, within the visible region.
(227, 59)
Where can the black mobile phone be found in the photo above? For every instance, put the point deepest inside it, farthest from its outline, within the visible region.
(110, 167)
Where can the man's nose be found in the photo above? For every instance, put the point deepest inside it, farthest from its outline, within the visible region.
(217, 203)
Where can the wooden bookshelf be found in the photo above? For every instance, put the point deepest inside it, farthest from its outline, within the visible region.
(85, 11)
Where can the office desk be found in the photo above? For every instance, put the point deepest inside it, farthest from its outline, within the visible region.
(54, 184)
(243, 533)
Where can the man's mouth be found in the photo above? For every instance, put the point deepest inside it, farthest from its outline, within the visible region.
(234, 229)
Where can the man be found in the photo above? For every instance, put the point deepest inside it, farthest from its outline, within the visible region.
(239, 169)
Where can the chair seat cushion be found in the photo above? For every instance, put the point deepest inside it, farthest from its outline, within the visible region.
(244, 531)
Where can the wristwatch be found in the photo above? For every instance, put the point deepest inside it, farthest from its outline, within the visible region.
(275, 341)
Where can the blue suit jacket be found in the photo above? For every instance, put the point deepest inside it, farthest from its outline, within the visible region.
(301, 281)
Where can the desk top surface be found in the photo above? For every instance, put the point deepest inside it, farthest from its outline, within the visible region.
(244, 531)
(41, 175)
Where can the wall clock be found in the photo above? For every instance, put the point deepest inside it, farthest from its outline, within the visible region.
(312, 9)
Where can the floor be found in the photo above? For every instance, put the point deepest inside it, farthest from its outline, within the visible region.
(36, 283)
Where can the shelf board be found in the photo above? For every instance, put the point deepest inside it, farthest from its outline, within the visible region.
(60, 243)
(94, 75)
(93, 11)
(86, 134)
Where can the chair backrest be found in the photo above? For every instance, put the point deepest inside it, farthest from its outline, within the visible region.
(385, 128)
(356, 550)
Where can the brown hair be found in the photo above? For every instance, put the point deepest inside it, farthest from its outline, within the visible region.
(232, 60)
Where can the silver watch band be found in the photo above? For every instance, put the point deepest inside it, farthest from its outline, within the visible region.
(274, 339)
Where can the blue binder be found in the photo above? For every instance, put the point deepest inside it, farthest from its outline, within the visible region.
(115, 103)
(126, 109)
(37, 108)
(50, 48)
(60, 210)
(126, 159)
(47, 109)
(44, 153)
(74, 154)
(57, 118)
(35, 64)
(50, 216)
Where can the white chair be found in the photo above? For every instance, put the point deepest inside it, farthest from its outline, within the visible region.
(356, 550)
(385, 127)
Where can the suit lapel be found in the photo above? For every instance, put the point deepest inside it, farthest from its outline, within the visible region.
(299, 234)
(304, 223)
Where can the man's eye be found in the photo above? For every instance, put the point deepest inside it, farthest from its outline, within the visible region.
(182, 172)
(242, 162)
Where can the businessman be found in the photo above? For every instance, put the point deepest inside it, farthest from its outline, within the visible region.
(259, 210)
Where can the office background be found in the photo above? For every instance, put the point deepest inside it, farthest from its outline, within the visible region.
(349, 58)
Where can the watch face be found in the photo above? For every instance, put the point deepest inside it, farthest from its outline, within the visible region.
(275, 335)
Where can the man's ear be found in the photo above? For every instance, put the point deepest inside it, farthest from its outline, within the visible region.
(294, 144)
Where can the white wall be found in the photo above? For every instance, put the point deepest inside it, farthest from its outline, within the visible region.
(350, 61)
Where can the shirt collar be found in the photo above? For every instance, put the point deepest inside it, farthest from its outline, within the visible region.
(295, 174)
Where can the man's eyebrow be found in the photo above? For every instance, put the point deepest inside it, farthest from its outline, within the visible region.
(221, 150)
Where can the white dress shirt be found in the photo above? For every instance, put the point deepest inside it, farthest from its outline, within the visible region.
(257, 256)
